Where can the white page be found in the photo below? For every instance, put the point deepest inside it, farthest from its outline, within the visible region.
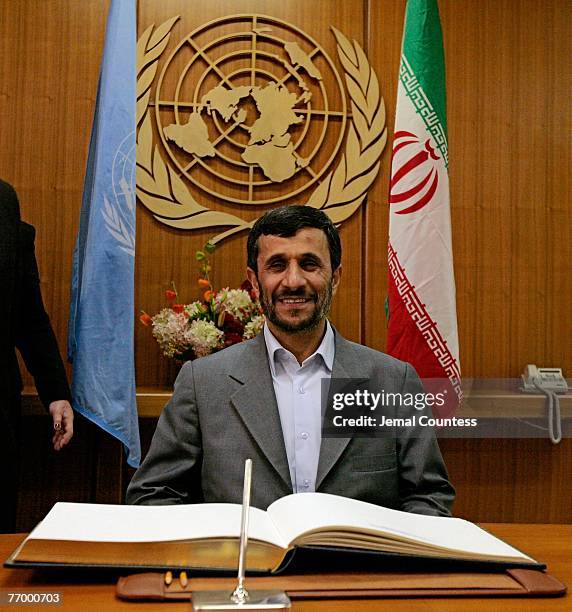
(114, 523)
(296, 514)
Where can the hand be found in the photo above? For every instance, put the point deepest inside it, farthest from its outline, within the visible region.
(62, 416)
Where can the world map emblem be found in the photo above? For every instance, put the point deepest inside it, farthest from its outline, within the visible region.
(248, 111)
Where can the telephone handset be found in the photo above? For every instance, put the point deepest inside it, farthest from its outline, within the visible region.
(543, 379)
(550, 382)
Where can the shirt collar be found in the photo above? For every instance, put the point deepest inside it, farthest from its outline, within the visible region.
(326, 349)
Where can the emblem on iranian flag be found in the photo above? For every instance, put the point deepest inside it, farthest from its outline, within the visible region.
(422, 326)
(415, 177)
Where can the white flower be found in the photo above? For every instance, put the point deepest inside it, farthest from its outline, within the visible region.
(236, 302)
(169, 330)
(204, 337)
(194, 309)
(253, 327)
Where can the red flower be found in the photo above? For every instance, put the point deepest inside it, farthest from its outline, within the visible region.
(145, 319)
(178, 308)
(170, 295)
(247, 286)
(232, 325)
(208, 295)
(204, 283)
(232, 338)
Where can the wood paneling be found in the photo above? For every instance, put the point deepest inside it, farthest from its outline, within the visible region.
(165, 254)
(49, 64)
(521, 75)
(508, 79)
(509, 117)
(511, 480)
(509, 121)
(384, 50)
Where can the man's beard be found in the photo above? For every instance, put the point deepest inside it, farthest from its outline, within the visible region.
(322, 305)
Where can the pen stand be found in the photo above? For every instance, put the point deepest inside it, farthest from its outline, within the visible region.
(240, 598)
(256, 600)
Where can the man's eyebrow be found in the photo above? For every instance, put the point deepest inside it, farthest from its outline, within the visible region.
(274, 259)
(279, 257)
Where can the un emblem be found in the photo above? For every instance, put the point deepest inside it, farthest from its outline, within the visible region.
(250, 110)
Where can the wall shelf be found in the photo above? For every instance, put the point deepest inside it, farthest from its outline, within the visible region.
(498, 401)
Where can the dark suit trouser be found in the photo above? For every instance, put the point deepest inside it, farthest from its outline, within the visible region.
(10, 462)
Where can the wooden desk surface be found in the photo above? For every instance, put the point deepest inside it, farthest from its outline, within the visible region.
(551, 544)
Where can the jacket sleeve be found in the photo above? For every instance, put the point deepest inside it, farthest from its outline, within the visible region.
(423, 479)
(171, 471)
(34, 335)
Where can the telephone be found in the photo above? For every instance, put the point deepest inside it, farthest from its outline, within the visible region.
(543, 379)
(550, 382)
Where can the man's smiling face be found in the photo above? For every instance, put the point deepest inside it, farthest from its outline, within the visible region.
(295, 281)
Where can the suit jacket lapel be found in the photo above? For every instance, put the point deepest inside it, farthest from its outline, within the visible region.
(345, 366)
(255, 401)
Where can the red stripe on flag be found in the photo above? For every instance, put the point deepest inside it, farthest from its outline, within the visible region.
(414, 337)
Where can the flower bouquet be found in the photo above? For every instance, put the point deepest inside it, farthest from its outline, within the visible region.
(220, 319)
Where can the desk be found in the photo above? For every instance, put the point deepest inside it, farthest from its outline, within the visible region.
(551, 544)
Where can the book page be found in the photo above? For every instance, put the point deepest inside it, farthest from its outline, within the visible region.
(115, 523)
(300, 513)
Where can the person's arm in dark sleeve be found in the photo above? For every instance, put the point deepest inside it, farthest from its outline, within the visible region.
(423, 479)
(170, 473)
(36, 341)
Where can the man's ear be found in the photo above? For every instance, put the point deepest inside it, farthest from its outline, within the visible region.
(336, 278)
(251, 276)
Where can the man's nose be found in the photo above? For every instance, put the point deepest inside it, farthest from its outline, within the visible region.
(294, 276)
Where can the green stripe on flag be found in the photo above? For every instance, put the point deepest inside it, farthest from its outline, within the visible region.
(423, 48)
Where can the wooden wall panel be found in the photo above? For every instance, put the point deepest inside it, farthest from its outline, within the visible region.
(507, 77)
(558, 192)
(383, 49)
(166, 254)
(509, 83)
(510, 480)
(49, 66)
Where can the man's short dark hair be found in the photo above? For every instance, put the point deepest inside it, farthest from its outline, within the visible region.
(286, 221)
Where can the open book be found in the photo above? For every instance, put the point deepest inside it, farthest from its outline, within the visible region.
(205, 536)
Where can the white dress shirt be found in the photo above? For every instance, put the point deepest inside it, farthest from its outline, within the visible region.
(298, 394)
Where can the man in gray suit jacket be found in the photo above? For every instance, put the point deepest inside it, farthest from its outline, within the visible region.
(261, 399)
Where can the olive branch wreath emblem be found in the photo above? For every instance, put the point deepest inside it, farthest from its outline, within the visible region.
(339, 194)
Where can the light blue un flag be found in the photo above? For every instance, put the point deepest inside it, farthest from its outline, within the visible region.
(101, 325)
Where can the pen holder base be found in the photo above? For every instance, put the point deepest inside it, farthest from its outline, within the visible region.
(257, 600)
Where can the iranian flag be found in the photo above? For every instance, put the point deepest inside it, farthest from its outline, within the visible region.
(422, 327)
